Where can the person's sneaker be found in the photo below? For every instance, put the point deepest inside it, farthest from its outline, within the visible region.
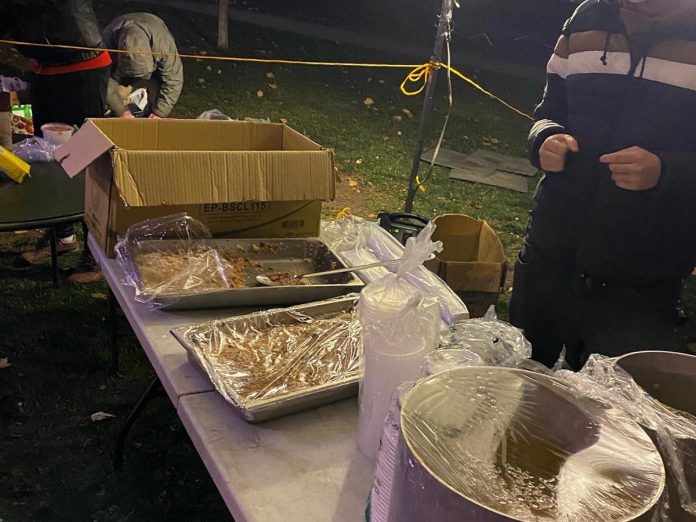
(43, 252)
(90, 276)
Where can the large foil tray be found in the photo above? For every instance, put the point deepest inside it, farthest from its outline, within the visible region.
(303, 255)
(261, 410)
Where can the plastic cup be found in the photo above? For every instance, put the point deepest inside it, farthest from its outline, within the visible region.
(57, 133)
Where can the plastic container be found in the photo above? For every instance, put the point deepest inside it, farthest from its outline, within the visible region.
(14, 167)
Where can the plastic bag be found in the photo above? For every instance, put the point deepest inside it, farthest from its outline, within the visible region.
(213, 114)
(673, 431)
(166, 256)
(360, 242)
(482, 443)
(496, 342)
(34, 150)
(271, 357)
(400, 325)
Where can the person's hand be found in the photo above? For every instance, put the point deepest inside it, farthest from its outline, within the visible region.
(153, 116)
(128, 115)
(552, 153)
(634, 168)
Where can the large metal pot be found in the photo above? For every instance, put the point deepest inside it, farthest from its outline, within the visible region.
(671, 379)
(501, 444)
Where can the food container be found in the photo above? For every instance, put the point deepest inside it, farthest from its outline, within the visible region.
(671, 379)
(57, 133)
(273, 363)
(196, 284)
(501, 444)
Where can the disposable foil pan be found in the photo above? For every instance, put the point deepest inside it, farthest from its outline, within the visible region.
(264, 255)
(199, 340)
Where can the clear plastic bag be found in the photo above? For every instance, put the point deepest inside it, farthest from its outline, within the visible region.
(34, 150)
(482, 443)
(268, 358)
(213, 114)
(169, 255)
(400, 325)
(496, 342)
(360, 242)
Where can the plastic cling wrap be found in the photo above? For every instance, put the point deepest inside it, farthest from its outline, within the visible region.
(498, 444)
(496, 342)
(34, 150)
(271, 363)
(360, 242)
(673, 431)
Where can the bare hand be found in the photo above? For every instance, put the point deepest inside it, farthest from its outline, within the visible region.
(153, 116)
(634, 168)
(552, 154)
(128, 115)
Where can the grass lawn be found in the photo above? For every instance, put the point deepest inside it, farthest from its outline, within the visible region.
(55, 463)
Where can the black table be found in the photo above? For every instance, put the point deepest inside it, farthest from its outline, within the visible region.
(46, 199)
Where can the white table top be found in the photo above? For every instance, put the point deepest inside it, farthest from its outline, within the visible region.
(304, 467)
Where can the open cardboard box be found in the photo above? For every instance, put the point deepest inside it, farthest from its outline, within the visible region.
(241, 179)
(473, 261)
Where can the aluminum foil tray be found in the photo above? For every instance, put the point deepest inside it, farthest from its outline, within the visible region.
(263, 256)
(263, 380)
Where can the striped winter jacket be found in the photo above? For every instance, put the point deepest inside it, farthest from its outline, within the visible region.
(610, 95)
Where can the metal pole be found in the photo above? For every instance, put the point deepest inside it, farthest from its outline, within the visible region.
(428, 102)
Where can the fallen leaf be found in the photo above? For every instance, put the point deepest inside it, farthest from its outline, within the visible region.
(396, 117)
(100, 416)
(494, 141)
(209, 68)
(358, 161)
(382, 82)
(352, 183)
(259, 93)
(284, 121)
(198, 60)
(371, 215)
(102, 387)
(408, 113)
(219, 71)
(201, 80)
(270, 75)
(368, 101)
(273, 85)
(4, 363)
(203, 53)
(99, 295)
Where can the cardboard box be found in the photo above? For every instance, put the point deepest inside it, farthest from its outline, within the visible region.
(473, 261)
(242, 179)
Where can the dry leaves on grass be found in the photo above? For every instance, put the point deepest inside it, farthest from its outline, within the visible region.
(259, 93)
(273, 85)
(283, 121)
(100, 416)
(408, 113)
(5, 363)
(368, 101)
(352, 183)
(270, 75)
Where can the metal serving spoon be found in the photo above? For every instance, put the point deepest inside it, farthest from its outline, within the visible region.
(266, 281)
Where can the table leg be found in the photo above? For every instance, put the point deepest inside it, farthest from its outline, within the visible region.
(54, 253)
(154, 390)
(85, 249)
(113, 325)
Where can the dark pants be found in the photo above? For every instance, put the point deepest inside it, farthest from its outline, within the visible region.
(68, 98)
(557, 307)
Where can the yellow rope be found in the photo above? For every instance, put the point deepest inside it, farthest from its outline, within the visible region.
(420, 73)
(344, 213)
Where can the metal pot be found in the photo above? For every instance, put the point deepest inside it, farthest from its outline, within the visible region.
(671, 379)
(501, 444)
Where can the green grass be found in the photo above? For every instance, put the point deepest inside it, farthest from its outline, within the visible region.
(55, 463)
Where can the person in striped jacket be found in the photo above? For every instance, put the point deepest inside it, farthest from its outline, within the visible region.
(612, 231)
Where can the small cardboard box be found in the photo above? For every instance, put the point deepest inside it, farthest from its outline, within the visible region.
(242, 179)
(473, 261)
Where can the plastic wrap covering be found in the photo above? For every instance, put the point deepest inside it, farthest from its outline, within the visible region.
(360, 242)
(400, 325)
(498, 343)
(275, 362)
(34, 150)
(670, 377)
(500, 444)
(191, 263)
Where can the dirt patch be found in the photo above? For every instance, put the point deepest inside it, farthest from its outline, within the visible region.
(350, 194)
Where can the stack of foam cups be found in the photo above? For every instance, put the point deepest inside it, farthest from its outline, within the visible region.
(396, 334)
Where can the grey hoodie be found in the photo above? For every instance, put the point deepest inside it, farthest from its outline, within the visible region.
(144, 32)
